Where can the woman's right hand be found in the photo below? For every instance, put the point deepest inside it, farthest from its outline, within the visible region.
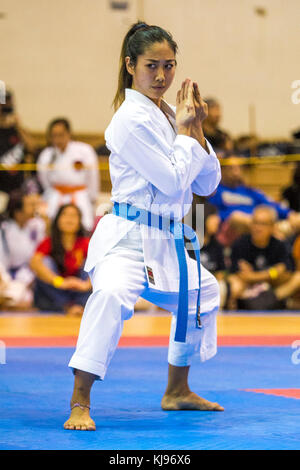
(185, 108)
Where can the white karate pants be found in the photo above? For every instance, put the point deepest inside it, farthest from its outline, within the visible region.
(118, 281)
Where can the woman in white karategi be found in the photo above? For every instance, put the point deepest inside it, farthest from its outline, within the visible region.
(159, 157)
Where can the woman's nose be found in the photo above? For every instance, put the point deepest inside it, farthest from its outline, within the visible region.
(160, 77)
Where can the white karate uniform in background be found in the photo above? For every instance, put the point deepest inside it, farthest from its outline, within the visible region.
(152, 168)
(17, 245)
(77, 169)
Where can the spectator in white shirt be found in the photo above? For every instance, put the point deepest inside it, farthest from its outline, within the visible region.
(68, 172)
(20, 234)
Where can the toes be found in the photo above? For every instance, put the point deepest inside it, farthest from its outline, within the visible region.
(68, 426)
(218, 407)
(80, 427)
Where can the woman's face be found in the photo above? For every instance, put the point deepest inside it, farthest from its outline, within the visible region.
(60, 136)
(69, 220)
(154, 71)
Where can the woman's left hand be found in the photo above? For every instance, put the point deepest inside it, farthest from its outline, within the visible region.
(201, 107)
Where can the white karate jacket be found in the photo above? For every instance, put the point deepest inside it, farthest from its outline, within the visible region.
(64, 171)
(153, 168)
(76, 166)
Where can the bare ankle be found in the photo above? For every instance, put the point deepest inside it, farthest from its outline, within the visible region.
(177, 391)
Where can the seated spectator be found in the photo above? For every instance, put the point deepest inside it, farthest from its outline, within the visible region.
(235, 202)
(74, 175)
(219, 139)
(291, 289)
(295, 142)
(61, 283)
(14, 295)
(20, 234)
(102, 150)
(259, 265)
(246, 145)
(212, 252)
(291, 194)
(16, 146)
(212, 255)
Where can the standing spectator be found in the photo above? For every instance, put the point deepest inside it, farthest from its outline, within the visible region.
(259, 264)
(19, 236)
(68, 172)
(61, 283)
(16, 146)
(219, 139)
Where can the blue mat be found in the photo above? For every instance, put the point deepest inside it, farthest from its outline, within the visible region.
(36, 385)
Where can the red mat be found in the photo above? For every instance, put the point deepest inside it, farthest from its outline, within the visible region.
(280, 392)
(70, 341)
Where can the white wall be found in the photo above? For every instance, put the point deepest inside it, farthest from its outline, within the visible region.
(61, 58)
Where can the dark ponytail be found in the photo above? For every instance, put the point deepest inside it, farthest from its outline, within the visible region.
(137, 40)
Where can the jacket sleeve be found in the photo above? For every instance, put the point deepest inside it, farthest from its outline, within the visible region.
(93, 174)
(209, 177)
(171, 169)
(43, 170)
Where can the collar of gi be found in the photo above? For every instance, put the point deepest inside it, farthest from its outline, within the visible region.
(137, 96)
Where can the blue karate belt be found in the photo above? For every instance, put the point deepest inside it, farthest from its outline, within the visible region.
(179, 230)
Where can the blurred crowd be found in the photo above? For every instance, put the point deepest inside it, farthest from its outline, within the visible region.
(48, 213)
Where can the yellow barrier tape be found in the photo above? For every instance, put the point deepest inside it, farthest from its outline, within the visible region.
(261, 160)
(33, 167)
(278, 159)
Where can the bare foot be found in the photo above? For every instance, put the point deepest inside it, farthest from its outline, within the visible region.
(80, 420)
(188, 401)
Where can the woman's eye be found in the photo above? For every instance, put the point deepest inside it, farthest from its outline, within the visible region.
(151, 66)
(169, 66)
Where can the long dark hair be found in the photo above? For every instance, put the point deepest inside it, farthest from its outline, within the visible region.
(57, 249)
(137, 40)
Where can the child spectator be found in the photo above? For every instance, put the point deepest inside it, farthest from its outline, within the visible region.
(61, 283)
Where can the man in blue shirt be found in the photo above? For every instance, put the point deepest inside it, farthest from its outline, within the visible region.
(235, 201)
(233, 195)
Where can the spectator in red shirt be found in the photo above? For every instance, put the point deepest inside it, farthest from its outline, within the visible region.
(61, 283)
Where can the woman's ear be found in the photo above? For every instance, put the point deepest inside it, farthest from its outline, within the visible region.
(129, 65)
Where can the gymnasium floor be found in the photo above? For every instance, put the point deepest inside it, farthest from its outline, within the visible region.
(255, 376)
